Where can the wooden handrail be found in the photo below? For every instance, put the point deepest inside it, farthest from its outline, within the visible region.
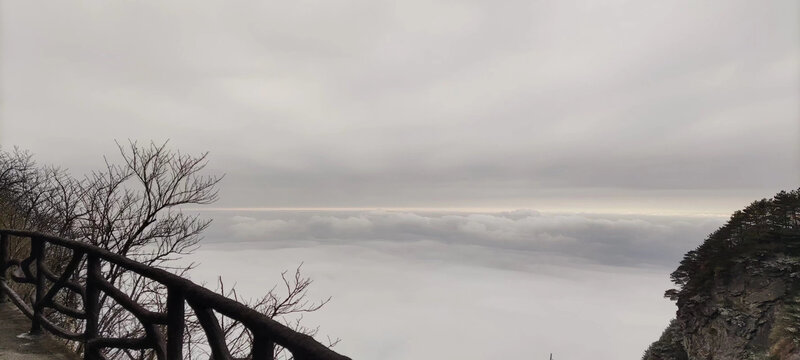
(180, 291)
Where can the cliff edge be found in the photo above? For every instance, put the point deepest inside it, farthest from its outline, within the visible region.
(738, 293)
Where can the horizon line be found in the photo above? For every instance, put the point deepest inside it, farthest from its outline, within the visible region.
(649, 212)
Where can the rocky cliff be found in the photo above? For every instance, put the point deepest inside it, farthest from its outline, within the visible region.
(738, 293)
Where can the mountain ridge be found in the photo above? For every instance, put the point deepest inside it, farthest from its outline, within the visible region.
(738, 293)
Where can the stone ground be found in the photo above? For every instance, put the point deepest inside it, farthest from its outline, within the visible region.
(12, 347)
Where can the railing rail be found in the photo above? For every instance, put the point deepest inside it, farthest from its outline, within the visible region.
(168, 344)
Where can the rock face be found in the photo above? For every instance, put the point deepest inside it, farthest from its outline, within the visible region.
(740, 294)
(754, 313)
(751, 315)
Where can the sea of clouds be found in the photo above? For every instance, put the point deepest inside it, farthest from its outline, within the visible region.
(424, 284)
(629, 240)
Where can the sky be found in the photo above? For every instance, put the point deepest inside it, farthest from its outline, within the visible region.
(532, 169)
(624, 106)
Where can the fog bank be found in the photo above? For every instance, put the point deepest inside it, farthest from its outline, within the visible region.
(468, 286)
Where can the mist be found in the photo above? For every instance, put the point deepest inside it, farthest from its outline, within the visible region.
(411, 285)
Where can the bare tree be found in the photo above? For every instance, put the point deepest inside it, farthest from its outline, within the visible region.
(134, 209)
(23, 188)
(287, 302)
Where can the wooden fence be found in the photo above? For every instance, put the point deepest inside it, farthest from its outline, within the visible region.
(164, 331)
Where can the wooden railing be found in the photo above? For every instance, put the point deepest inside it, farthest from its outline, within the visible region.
(164, 331)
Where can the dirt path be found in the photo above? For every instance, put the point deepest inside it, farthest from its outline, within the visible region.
(12, 347)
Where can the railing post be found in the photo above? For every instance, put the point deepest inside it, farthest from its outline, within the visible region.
(263, 347)
(3, 265)
(175, 323)
(37, 252)
(92, 306)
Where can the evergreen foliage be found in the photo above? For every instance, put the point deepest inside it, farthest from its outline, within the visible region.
(669, 346)
(765, 226)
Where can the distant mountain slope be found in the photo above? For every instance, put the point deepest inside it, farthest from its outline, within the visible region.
(738, 293)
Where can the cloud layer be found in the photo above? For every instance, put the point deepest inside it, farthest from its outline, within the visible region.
(603, 239)
(514, 285)
(413, 284)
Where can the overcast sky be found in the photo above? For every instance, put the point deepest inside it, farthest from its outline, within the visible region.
(676, 106)
(475, 108)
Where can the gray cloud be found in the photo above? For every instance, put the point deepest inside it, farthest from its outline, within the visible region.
(486, 238)
(396, 305)
(364, 103)
(424, 282)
